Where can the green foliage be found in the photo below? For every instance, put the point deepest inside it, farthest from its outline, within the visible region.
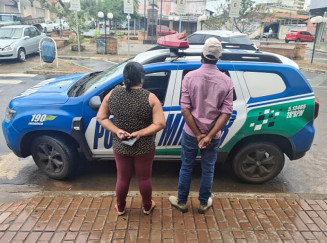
(90, 9)
(249, 12)
(96, 34)
(119, 35)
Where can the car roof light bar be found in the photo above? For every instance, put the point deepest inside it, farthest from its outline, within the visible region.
(174, 41)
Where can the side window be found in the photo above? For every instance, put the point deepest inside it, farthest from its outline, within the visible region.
(27, 32)
(209, 36)
(224, 71)
(196, 39)
(263, 84)
(34, 32)
(157, 83)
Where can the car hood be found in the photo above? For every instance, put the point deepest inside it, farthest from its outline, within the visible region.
(47, 92)
(6, 42)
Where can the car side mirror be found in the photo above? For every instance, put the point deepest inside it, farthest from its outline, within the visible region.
(26, 37)
(95, 103)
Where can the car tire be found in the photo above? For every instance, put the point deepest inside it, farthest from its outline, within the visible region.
(286, 41)
(54, 156)
(297, 40)
(258, 162)
(21, 55)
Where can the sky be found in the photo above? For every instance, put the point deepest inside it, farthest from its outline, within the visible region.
(212, 4)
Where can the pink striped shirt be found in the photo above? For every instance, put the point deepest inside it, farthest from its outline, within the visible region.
(207, 93)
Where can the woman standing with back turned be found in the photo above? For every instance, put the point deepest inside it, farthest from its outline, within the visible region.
(137, 114)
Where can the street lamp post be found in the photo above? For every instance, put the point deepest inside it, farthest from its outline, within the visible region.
(110, 16)
(315, 20)
(128, 19)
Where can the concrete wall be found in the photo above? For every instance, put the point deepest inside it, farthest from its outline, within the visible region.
(290, 50)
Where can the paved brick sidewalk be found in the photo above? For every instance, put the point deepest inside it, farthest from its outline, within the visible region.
(93, 219)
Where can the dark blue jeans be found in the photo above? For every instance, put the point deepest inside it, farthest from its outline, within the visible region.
(208, 160)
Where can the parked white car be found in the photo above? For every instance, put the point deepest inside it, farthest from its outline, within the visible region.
(48, 26)
(18, 41)
(61, 24)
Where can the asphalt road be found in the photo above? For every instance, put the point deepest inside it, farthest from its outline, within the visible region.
(306, 175)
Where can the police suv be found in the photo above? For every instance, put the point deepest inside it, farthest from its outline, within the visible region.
(274, 111)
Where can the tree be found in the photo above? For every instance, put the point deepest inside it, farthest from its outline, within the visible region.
(249, 13)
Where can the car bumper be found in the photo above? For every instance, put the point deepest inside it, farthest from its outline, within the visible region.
(7, 55)
(11, 136)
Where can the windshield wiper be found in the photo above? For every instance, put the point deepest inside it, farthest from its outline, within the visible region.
(79, 84)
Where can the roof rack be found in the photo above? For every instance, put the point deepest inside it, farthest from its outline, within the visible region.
(232, 56)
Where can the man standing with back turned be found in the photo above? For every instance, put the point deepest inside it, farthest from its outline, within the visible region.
(207, 103)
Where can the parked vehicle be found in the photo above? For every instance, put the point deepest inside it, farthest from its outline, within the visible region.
(60, 24)
(224, 36)
(299, 36)
(244, 46)
(16, 19)
(274, 110)
(48, 26)
(18, 41)
(9, 19)
(269, 35)
(90, 24)
(163, 30)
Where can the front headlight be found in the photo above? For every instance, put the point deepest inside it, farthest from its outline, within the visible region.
(9, 114)
(7, 48)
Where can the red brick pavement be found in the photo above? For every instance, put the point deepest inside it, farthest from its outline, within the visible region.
(94, 219)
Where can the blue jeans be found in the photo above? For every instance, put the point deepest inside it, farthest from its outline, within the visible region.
(208, 160)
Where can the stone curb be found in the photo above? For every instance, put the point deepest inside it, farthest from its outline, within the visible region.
(315, 196)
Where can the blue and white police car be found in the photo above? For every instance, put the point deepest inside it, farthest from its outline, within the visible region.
(274, 111)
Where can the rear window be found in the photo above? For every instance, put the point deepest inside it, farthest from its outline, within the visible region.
(232, 39)
(263, 84)
(196, 39)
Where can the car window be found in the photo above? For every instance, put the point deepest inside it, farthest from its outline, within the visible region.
(157, 83)
(10, 33)
(263, 84)
(224, 71)
(102, 78)
(209, 36)
(27, 32)
(238, 40)
(6, 17)
(196, 39)
(34, 32)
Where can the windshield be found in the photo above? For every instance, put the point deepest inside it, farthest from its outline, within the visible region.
(6, 18)
(10, 33)
(103, 77)
(237, 40)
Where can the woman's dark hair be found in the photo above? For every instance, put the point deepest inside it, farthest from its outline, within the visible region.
(207, 61)
(133, 74)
